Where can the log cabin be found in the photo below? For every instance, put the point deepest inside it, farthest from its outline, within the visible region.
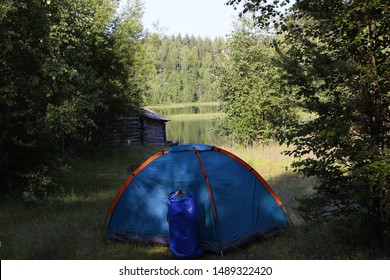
(147, 128)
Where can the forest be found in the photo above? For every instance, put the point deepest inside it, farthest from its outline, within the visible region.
(184, 68)
(69, 67)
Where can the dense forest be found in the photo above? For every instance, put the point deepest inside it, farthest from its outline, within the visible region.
(183, 68)
(69, 67)
(334, 57)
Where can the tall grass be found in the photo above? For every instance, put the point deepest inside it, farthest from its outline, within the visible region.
(275, 167)
(69, 224)
(189, 117)
(183, 105)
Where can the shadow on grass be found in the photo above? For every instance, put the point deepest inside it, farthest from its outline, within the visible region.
(69, 224)
(288, 187)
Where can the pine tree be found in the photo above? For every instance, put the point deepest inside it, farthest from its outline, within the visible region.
(183, 68)
(338, 57)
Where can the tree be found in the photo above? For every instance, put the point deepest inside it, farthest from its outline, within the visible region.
(338, 56)
(67, 67)
(182, 68)
(256, 101)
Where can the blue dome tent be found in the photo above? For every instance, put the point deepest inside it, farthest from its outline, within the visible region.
(235, 203)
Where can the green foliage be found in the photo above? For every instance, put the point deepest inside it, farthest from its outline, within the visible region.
(257, 102)
(67, 68)
(266, 14)
(182, 68)
(336, 52)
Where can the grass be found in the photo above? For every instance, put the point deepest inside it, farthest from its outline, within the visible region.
(275, 168)
(205, 116)
(69, 224)
(183, 105)
(173, 116)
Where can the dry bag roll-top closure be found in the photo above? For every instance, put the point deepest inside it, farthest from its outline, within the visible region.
(184, 234)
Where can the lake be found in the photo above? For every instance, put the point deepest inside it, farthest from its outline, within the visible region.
(192, 123)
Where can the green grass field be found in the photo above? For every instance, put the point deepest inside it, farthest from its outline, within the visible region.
(68, 225)
(183, 105)
(206, 116)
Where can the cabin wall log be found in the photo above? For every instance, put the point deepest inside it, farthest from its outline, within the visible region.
(136, 131)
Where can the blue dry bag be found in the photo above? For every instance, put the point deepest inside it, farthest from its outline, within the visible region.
(184, 234)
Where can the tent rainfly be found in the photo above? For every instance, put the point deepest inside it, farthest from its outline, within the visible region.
(235, 203)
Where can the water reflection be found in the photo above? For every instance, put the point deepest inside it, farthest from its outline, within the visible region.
(194, 131)
(190, 124)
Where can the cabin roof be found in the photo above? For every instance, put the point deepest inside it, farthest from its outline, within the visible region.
(153, 115)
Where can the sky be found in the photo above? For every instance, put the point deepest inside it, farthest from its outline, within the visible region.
(204, 18)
